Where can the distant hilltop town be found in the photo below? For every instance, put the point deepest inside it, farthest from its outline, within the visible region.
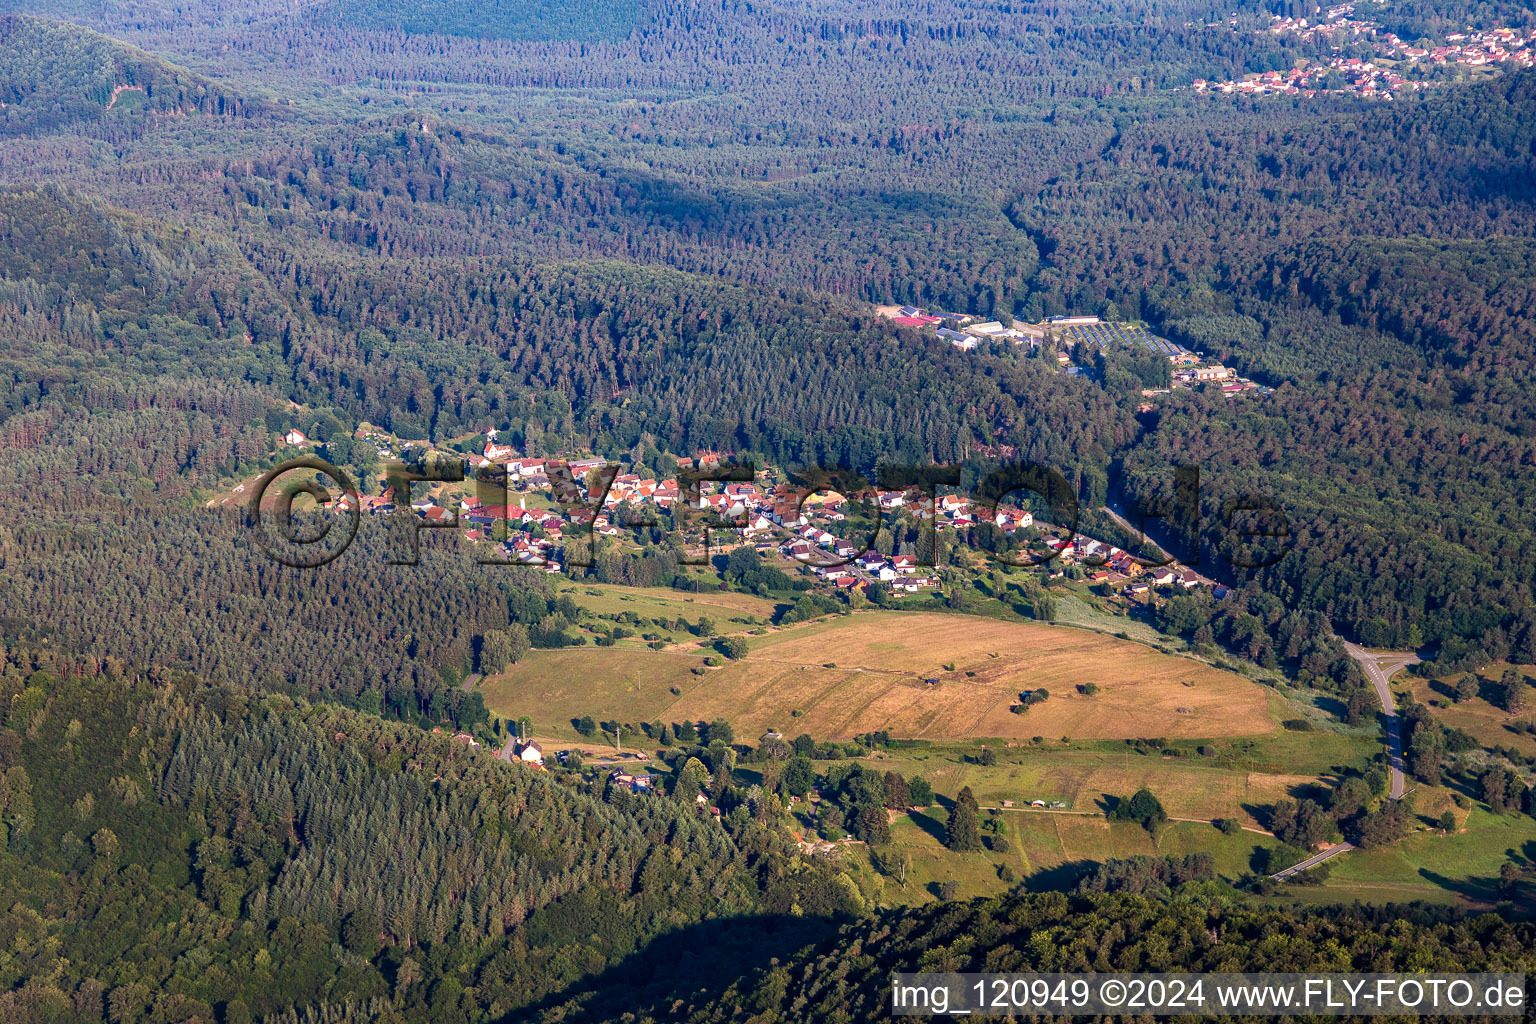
(1389, 66)
(966, 332)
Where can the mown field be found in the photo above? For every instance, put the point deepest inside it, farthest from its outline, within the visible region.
(1049, 850)
(854, 674)
(1088, 777)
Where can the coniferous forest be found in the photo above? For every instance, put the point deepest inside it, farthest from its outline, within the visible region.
(231, 790)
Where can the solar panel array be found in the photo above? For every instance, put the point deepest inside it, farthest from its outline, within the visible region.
(1106, 334)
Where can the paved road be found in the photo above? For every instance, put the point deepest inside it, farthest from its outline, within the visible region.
(1378, 669)
(1313, 861)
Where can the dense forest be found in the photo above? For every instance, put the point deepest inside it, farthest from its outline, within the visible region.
(849, 977)
(649, 232)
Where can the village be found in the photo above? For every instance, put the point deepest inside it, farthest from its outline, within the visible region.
(1063, 333)
(1393, 66)
(557, 501)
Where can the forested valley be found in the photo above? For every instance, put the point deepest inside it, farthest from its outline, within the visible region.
(663, 228)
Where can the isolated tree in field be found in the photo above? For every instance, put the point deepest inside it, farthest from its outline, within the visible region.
(1515, 693)
(1447, 822)
(1509, 878)
(733, 647)
(586, 725)
(920, 791)
(1144, 808)
(1466, 688)
(897, 864)
(963, 833)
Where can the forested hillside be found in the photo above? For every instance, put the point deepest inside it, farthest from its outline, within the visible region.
(53, 76)
(174, 848)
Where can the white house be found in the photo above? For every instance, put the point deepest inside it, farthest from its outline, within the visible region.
(531, 753)
(295, 437)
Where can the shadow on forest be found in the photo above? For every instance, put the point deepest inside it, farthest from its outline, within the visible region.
(696, 964)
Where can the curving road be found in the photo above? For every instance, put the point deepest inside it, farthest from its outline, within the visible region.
(1378, 669)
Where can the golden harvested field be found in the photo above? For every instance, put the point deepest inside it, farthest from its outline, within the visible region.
(855, 674)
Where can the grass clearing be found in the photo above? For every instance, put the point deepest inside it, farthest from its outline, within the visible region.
(1083, 779)
(1488, 723)
(1426, 865)
(651, 602)
(1048, 851)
